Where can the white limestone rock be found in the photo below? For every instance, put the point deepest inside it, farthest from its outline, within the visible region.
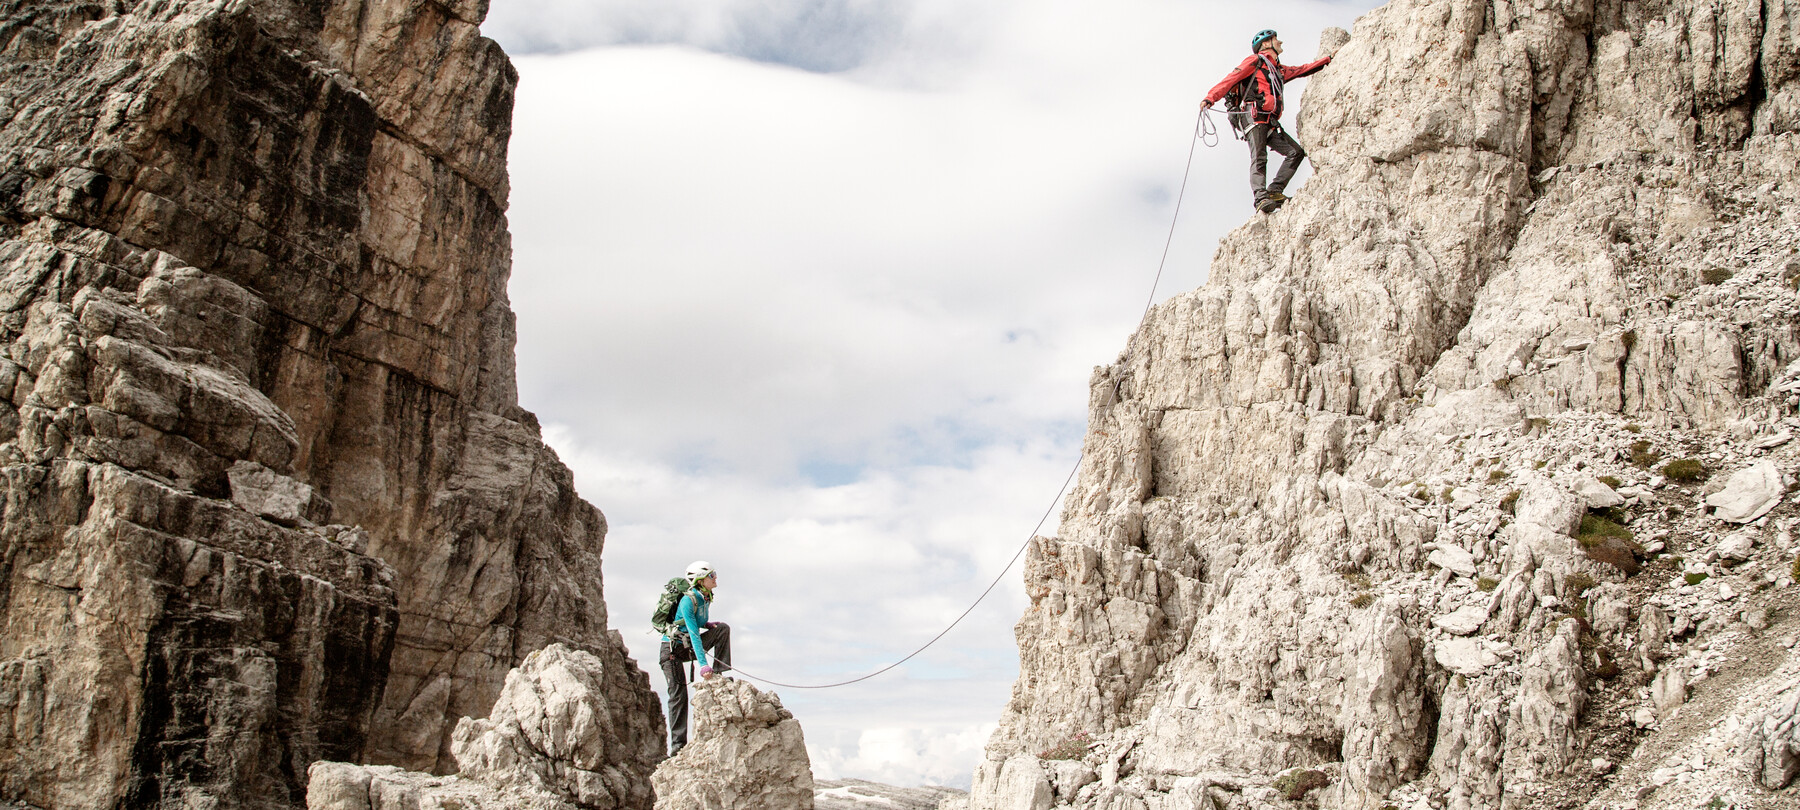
(1453, 558)
(747, 753)
(1462, 621)
(1594, 492)
(1737, 546)
(1749, 494)
(1464, 656)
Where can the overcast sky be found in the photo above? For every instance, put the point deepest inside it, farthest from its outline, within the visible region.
(811, 289)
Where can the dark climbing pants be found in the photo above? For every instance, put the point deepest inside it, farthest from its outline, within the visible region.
(717, 641)
(1262, 138)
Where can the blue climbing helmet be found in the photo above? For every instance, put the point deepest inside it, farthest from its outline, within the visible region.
(1256, 42)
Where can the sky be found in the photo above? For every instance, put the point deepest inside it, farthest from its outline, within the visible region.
(812, 290)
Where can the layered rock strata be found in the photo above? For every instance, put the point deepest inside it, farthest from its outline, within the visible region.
(747, 753)
(1409, 504)
(548, 744)
(253, 262)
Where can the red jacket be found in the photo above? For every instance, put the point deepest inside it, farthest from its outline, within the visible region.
(1270, 108)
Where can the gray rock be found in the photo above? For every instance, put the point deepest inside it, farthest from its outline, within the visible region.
(747, 753)
(259, 252)
(1771, 745)
(262, 491)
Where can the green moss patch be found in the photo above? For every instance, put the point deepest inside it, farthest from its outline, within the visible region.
(1294, 785)
(1685, 470)
(1074, 747)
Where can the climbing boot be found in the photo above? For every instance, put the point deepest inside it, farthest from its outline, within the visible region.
(1267, 205)
(1278, 197)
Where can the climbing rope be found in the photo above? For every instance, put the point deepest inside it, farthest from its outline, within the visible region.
(965, 614)
(1203, 128)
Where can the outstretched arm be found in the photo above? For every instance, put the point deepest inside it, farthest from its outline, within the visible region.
(1308, 69)
(1243, 71)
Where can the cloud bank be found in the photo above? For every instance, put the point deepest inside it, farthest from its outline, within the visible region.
(812, 290)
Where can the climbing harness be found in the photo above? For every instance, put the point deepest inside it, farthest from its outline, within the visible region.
(1203, 127)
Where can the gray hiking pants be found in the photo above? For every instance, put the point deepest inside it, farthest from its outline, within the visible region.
(715, 640)
(1262, 138)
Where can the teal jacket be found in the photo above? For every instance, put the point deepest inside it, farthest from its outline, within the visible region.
(691, 613)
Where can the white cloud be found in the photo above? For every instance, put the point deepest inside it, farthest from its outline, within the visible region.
(832, 332)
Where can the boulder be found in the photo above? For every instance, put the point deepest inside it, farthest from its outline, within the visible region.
(747, 753)
(1453, 558)
(1749, 494)
(1594, 492)
(547, 745)
(1462, 621)
(1464, 656)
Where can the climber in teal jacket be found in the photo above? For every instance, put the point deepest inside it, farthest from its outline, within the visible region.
(694, 636)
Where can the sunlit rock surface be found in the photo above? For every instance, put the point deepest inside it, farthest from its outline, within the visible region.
(1549, 253)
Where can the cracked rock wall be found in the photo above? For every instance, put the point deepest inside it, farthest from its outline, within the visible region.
(270, 497)
(1335, 529)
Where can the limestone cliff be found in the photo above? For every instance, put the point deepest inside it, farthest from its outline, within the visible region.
(1464, 468)
(269, 496)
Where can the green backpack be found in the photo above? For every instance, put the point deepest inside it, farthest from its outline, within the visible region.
(667, 604)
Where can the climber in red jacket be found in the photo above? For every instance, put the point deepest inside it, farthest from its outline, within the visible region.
(1263, 76)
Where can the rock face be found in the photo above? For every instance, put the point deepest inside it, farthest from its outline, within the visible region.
(270, 497)
(549, 743)
(747, 753)
(1549, 250)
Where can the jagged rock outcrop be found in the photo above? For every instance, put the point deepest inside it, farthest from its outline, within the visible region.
(747, 753)
(1409, 495)
(270, 497)
(549, 743)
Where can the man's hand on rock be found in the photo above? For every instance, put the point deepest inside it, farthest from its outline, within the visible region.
(706, 673)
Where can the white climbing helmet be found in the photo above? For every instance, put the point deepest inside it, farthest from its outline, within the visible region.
(699, 570)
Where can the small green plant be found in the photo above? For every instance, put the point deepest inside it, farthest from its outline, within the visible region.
(1611, 481)
(1508, 501)
(1634, 428)
(1540, 464)
(1362, 600)
(1503, 383)
(1579, 583)
(1359, 579)
(1074, 747)
(1294, 785)
(1533, 424)
(1715, 275)
(1795, 571)
(1596, 528)
(1445, 497)
(1695, 578)
(1716, 804)
(1642, 455)
(1685, 470)
(1487, 584)
(1420, 493)
(1496, 476)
